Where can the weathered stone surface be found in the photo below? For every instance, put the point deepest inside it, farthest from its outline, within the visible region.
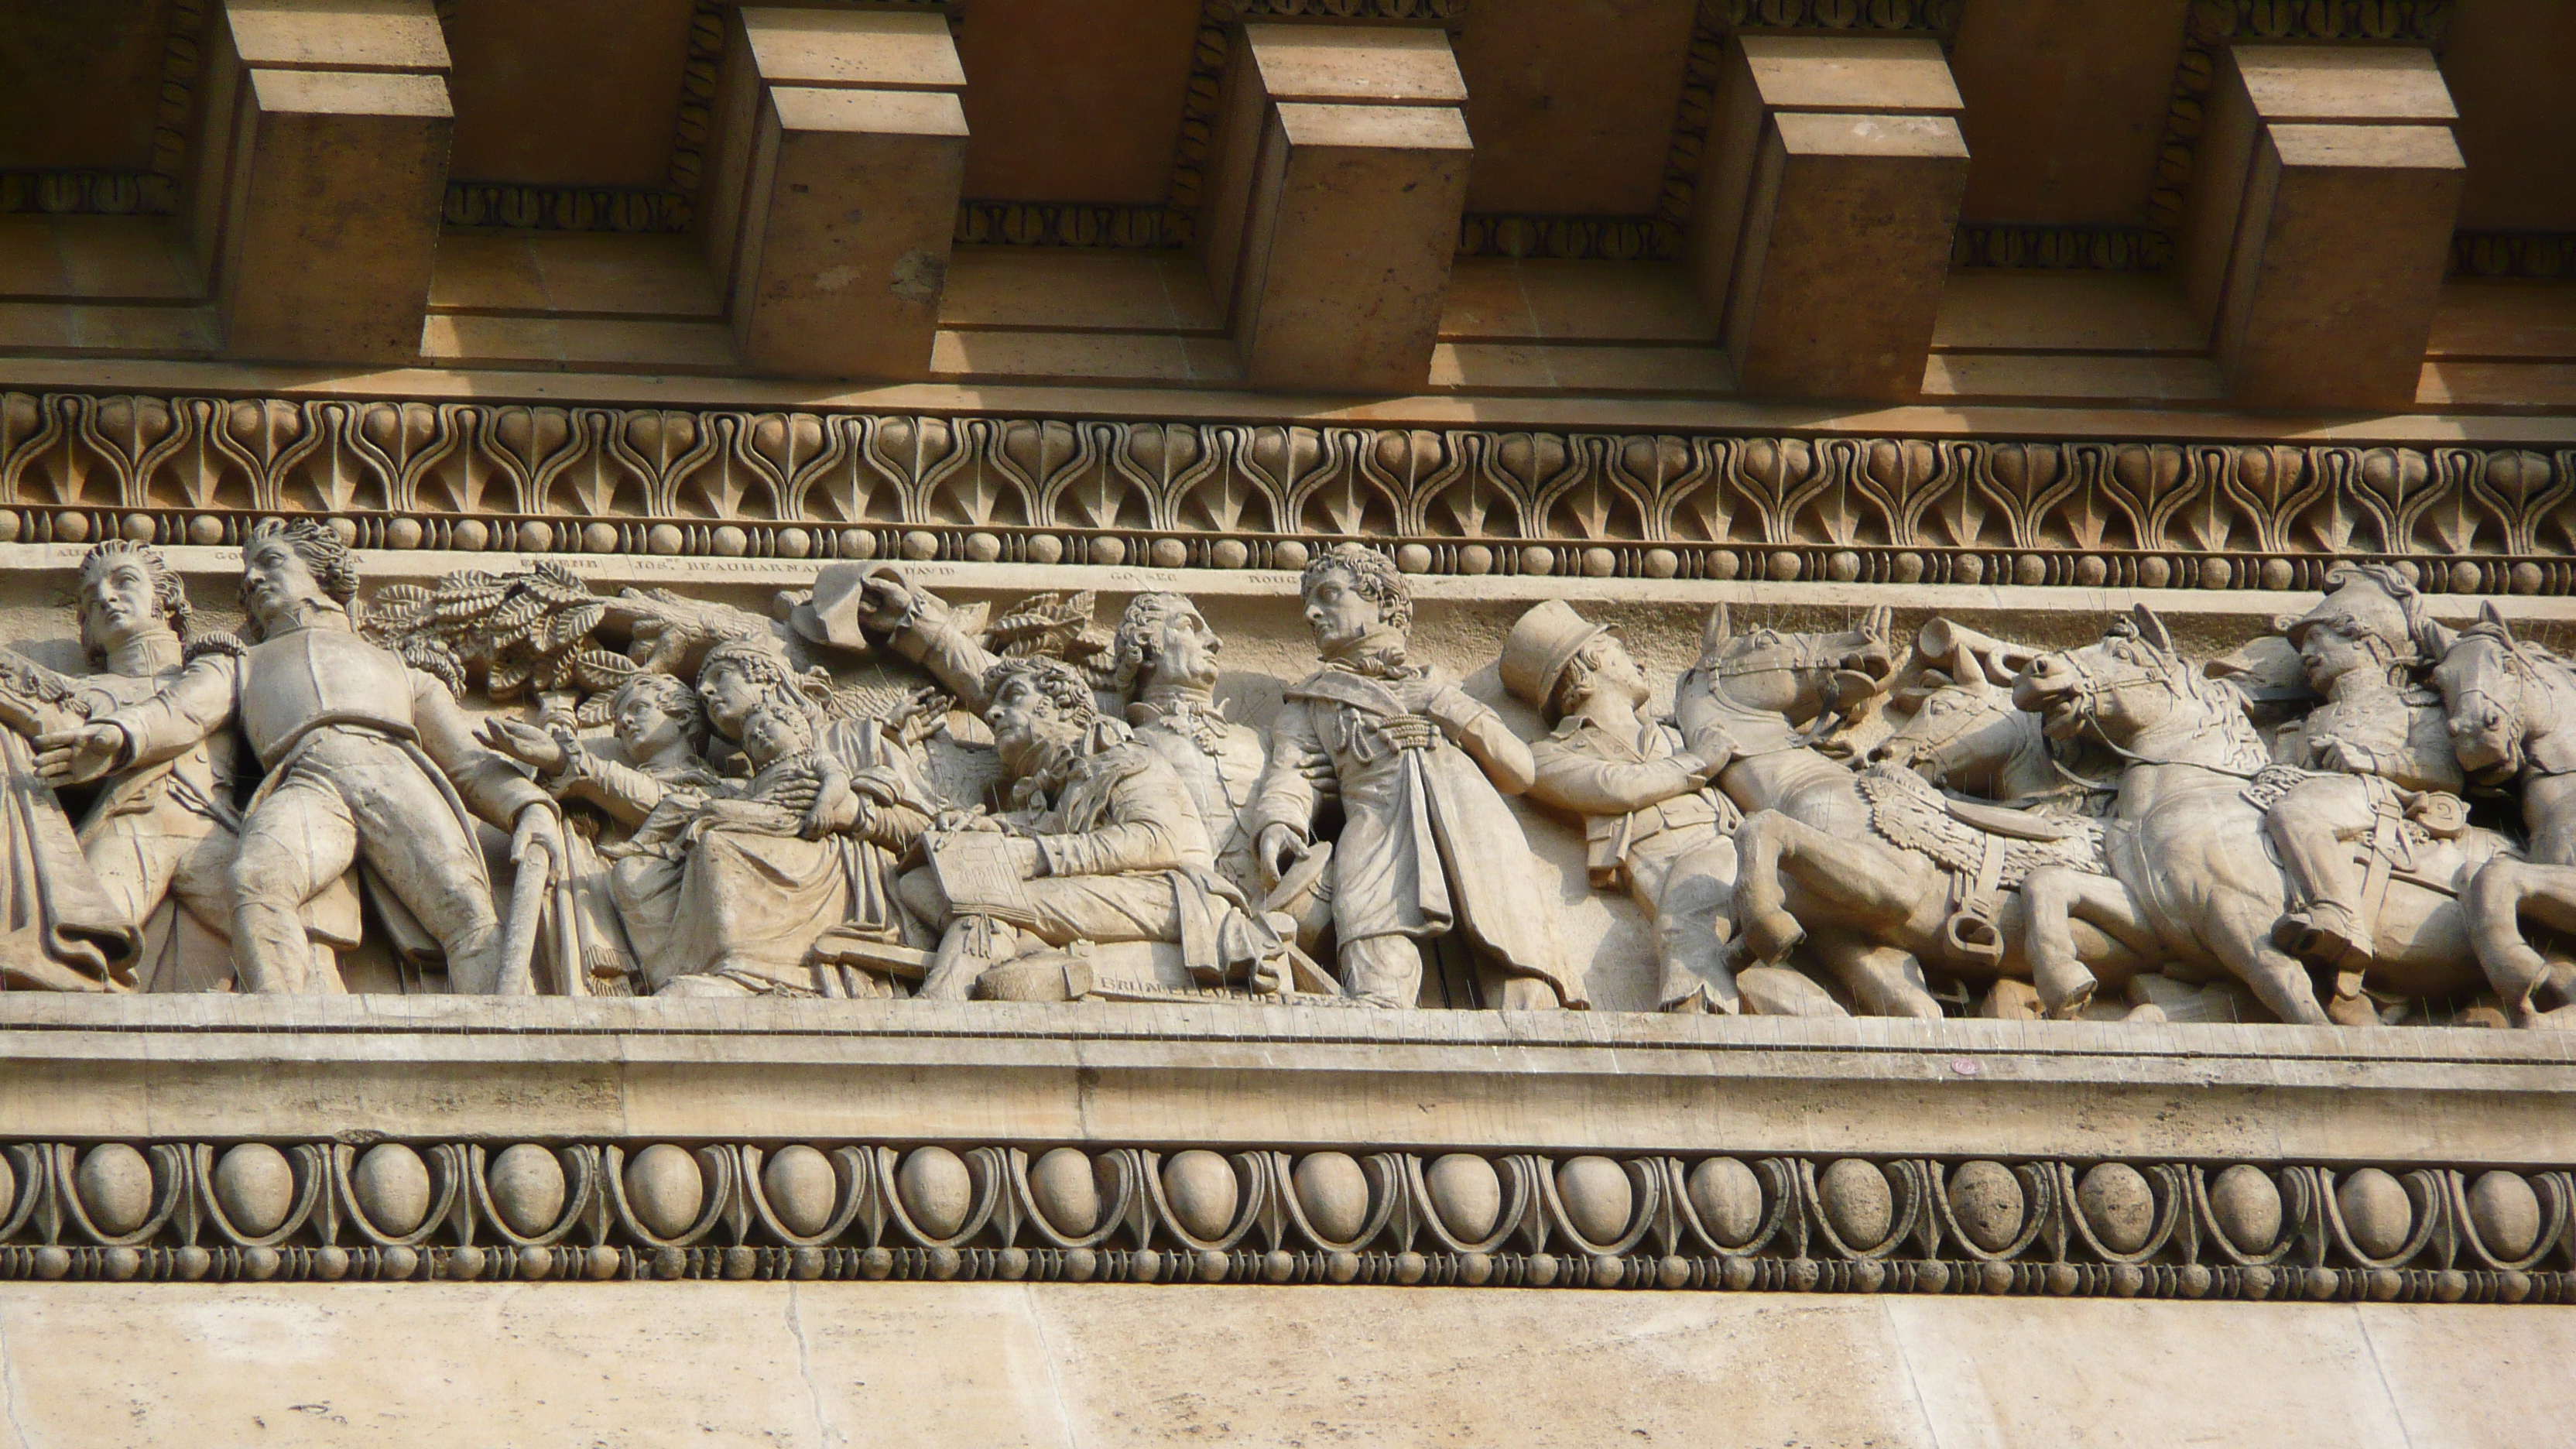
(2505, 1212)
(1334, 1193)
(2247, 1205)
(2118, 1205)
(1467, 1194)
(392, 1187)
(115, 1186)
(1066, 1188)
(255, 1187)
(801, 1188)
(936, 1189)
(1201, 1187)
(528, 1188)
(1988, 1203)
(2376, 1211)
(665, 1189)
(806, 1364)
(1728, 1198)
(1858, 1201)
(1598, 1197)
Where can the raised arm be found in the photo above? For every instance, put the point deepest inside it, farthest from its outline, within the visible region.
(919, 627)
(491, 786)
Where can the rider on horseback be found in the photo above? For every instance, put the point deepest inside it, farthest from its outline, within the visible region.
(2362, 648)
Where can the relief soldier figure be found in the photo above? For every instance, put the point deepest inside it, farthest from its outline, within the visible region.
(1419, 769)
(1653, 824)
(158, 839)
(2376, 754)
(1104, 844)
(1164, 671)
(366, 761)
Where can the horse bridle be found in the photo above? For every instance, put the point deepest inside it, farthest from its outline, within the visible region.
(2517, 730)
(2087, 701)
(1808, 654)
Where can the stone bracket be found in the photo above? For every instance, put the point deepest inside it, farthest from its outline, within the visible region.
(832, 186)
(1338, 175)
(2319, 227)
(1825, 212)
(314, 200)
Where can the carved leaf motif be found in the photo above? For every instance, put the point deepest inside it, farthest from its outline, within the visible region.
(2521, 488)
(1694, 504)
(1895, 482)
(1586, 499)
(325, 471)
(2445, 517)
(1777, 477)
(1218, 495)
(2152, 484)
(967, 488)
(1478, 500)
(2270, 487)
(1339, 498)
(140, 434)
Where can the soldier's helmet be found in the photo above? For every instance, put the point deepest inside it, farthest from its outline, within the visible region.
(2372, 601)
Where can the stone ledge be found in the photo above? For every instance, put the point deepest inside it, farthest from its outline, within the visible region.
(540, 1068)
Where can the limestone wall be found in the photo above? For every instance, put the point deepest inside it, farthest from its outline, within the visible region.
(822, 1365)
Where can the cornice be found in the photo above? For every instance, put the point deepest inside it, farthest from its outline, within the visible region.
(2207, 515)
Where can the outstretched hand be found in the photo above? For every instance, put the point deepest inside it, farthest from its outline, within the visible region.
(78, 756)
(524, 742)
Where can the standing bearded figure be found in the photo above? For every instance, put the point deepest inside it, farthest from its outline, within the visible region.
(366, 760)
(1420, 769)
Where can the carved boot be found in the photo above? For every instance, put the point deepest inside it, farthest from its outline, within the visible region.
(2327, 933)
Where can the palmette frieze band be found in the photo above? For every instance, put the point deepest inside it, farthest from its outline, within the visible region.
(796, 485)
(584, 1211)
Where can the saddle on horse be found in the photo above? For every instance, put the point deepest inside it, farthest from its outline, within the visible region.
(1986, 849)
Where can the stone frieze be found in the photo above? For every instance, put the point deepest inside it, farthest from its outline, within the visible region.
(790, 485)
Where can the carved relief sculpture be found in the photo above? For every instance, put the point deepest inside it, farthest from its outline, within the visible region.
(738, 911)
(366, 763)
(1103, 846)
(1419, 768)
(1162, 670)
(1653, 825)
(2190, 874)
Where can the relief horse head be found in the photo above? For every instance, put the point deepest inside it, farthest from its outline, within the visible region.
(1965, 733)
(1800, 678)
(2512, 704)
(2135, 693)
